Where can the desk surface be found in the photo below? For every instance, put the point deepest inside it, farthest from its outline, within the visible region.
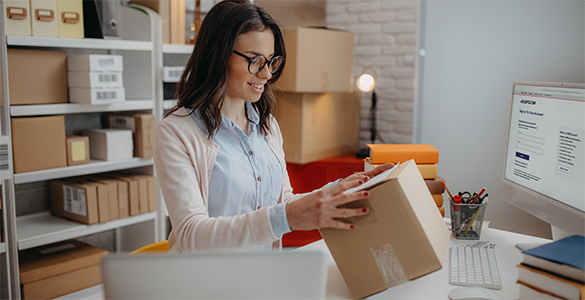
(436, 285)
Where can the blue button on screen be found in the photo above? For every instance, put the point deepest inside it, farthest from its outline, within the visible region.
(522, 155)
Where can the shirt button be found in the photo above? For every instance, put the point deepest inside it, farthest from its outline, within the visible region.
(250, 152)
(259, 178)
(259, 206)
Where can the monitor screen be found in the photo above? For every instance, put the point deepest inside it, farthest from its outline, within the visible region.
(544, 170)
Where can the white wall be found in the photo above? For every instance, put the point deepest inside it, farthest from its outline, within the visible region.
(385, 45)
(474, 51)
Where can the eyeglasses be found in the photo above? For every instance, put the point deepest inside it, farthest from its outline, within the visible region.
(257, 63)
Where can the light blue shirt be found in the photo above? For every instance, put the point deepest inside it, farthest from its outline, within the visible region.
(246, 174)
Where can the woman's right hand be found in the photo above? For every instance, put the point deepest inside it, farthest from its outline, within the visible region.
(317, 210)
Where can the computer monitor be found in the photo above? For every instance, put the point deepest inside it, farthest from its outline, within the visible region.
(544, 172)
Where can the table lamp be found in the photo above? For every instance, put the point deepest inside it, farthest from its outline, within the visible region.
(366, 83)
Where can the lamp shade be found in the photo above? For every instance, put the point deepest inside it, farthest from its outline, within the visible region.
(366, 83)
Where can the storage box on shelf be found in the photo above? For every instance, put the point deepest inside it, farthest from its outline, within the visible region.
(140, 50)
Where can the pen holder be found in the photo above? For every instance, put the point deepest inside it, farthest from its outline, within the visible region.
(467, 220)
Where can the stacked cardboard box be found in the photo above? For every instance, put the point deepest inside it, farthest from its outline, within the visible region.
(318, 112)
(95, 79)
(425, 156)
(58, 269)
(142, 127)
(101, 198)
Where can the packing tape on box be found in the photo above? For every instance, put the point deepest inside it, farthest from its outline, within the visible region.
(389, 265)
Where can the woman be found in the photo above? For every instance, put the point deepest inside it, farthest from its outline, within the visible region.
(218, 153)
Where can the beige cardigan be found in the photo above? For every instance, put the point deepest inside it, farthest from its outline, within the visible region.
(184, 158)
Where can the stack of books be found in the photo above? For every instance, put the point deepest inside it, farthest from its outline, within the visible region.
(554, 271)
(425, 156)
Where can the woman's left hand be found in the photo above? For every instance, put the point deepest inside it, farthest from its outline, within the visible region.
(365, 176)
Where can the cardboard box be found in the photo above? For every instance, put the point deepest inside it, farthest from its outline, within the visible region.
(145, 188)
(142, 126)
(70, 18)
(102, 193)
(318, 60)
(37, 76)
(95, 80)
(403, 237)
(75, 201)
(112, 186)
(38, 143)
(109, 144)
(318, 126)
(77, 150)
(95, 63)
(44, 18)
(58, 269)
(150, 192)
(97, 96)
(133, 189)
(122, 194)
(17, 17)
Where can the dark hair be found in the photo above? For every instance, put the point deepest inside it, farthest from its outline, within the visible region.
(203, 85)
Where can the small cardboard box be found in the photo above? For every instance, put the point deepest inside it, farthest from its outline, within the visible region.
(403, 237)
(95, 63)
(142, 126)
(150, 192)
(318, 126)
(109, 144)
(122, 194)
(95, 96)
(75, 201)
(102, 192)
(95, 80)
(58, 269)
(133, 189)
(318, 60)
(112, 186)
(77, 150)
(38, 143)
(37, 76)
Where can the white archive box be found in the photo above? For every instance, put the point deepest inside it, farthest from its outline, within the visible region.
(109, 143)
(172, 74)
(17, 17)
(95, 79)
(44, 18)
(95, 63)
(97, 96)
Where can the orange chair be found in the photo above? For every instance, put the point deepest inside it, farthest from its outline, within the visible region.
(162, 246)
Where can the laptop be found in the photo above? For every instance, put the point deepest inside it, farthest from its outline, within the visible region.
(225, 275)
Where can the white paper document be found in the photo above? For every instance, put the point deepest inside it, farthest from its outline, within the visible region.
(373, 181)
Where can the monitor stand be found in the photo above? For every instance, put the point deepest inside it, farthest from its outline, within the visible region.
(557, 234)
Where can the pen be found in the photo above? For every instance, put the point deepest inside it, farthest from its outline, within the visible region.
(480, 192)
(446, 188)
(472, 220)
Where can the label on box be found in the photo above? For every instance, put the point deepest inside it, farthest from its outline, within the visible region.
(122, 122)
(95, 79)
(74, 200)
(78, 151)
(3, 157)
(96, 96)
(172, 74)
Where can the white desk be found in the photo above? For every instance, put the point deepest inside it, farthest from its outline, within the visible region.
(436, 285)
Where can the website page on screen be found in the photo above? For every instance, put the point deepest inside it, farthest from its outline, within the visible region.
(546, 146)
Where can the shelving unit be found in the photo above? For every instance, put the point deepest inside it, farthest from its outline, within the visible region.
(42, 228)
(141, 49)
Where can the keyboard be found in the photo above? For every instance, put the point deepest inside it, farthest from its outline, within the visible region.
(474, 266)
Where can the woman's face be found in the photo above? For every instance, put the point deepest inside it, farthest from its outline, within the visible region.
(241, 84)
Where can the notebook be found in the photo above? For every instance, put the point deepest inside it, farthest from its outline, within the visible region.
(226, 275)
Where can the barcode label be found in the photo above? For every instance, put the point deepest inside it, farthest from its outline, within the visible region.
(107, 95)
(106, 62)
(74, 200)
(106, 78)
(175, 73)
(3, 157)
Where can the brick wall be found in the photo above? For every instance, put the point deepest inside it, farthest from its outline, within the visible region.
(384, 46)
